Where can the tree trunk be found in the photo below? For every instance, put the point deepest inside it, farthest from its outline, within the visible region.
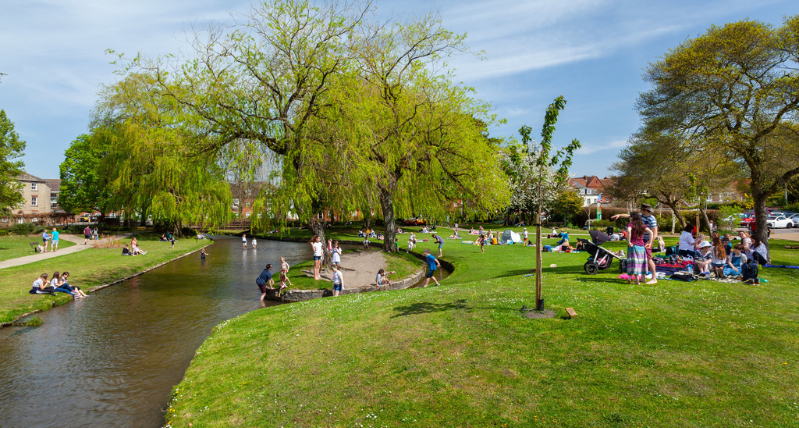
(367, 220)
(676, 213)
(387, 204)
(703, 211)
(761, 227)
(318, 229)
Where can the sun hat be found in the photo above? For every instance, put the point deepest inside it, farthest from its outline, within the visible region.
(646, 207)
(705, 244)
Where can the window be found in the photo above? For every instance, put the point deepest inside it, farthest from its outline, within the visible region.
(34, 201)
(34, 186)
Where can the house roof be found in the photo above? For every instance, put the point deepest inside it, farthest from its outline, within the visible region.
(27, 177)
(590, 181)
(53, 183)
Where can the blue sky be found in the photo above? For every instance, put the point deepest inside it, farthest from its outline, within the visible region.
(591, 52)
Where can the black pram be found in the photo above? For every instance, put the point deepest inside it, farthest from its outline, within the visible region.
(600, 258)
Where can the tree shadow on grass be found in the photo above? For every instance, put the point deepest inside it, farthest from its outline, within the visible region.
(426, 308)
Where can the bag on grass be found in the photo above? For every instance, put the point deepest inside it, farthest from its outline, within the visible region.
(682, 277)
(749, 270)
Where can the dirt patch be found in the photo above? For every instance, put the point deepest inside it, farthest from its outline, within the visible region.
(359, 269)
(539, 315)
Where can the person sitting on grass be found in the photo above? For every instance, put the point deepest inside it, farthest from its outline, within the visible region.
(126, 251)
(757, 251)
(718, 257)
(735, 260)
(76, 291)
(163, 238)
(338, 281)
(432, 265)
(564, 238)
(56, 283)
(41, 285)
(703, 259)
(135, 250)
(382, 276)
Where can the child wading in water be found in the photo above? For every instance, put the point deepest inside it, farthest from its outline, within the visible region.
(636, 253)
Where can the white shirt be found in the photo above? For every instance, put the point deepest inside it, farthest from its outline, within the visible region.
(525, 233)
(337, 277)
(54, 282)
(687, 241)
(38, 283)
(317, 249)
(336, 255)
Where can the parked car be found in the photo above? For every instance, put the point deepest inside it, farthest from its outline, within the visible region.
(414, 221)
(745, 222)
(780, 222)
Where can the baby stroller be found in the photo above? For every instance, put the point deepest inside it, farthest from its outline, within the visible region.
(600, 258)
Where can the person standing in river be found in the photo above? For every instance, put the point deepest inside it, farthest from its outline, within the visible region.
(264, 280)
(244, 240)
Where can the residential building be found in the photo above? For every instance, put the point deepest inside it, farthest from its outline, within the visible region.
(36, 200)
(590, 187)
(55, 188)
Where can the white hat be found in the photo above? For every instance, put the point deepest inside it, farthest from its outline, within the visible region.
(705, 244)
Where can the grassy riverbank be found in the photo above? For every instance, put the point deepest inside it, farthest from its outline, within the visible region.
(12, 247)
(673, 354)
(88, 269)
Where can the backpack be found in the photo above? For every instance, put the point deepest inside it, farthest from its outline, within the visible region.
(682, 277)
(749, 270)
(671, 250)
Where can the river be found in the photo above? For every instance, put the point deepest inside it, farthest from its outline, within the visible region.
(112, 359)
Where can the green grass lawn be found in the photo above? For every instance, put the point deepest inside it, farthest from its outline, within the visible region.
(12, 247)
(88, 268)
(675, 354)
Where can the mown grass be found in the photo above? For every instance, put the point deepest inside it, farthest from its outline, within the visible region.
(88, 268)
(12, 247)
(674, 354)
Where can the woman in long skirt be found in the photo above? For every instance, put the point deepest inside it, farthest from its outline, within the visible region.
(636, 253)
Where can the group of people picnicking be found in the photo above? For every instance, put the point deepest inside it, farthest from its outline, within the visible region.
(58, 283)
(717, 257)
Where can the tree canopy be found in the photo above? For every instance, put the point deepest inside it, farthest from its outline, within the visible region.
(11, 149)
(733, 92)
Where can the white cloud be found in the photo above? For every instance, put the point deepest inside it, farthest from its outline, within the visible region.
(599, 147)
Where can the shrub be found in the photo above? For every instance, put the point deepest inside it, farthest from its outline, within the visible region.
(23, 228)
(792, 207)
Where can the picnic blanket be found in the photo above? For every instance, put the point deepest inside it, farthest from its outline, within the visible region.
(670, 268)
(781, 266)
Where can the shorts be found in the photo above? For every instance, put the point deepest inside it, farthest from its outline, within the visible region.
(430, 273)
(85, 236)
(337, 287)
(44, 240)
(55, 241)
(440, 245)
(263, 288)
(317, 258)
(648, 253)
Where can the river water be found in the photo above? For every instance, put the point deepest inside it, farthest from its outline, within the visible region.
(112, 359)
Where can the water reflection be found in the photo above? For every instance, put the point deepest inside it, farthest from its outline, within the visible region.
(111, 359)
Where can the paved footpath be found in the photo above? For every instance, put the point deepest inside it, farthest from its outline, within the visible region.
(79, 246)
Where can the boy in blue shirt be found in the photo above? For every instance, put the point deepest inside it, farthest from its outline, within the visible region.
(432, 266)
(265, 279)
(54, 245)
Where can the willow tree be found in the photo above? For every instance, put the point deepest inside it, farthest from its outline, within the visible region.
(151, 165)
(261, 79)
(735, 90)
(417, 141)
